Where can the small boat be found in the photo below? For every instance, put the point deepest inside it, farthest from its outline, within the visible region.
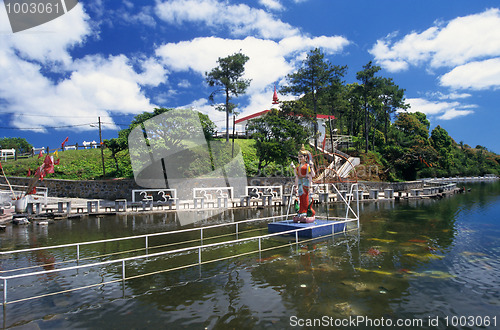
(20, 221)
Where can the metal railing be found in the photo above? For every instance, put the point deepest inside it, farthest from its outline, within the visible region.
(42, 192)
(26, 272)
(124, 261)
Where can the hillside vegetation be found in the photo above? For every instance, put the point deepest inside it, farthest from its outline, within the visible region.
(87, 164)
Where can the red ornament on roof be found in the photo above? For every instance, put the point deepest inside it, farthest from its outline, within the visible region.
(275, 96)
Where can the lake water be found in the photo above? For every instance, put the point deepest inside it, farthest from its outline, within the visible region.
(419, 263)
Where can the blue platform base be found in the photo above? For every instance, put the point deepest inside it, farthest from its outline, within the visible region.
(314, 228)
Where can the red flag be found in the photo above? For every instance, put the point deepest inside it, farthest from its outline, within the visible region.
(40, 154)
(56, 162)
(64, 142)
(1, 168)
(48, 165)
(29, 172)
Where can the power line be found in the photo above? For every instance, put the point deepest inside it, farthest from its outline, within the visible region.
(60, 116)
(45, 127)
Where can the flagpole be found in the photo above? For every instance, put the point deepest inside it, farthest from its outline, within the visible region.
(11, 190)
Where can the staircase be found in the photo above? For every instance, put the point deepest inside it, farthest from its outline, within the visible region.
(341, 165)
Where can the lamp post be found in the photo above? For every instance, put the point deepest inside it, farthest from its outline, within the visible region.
(102, 149)
(101, 145)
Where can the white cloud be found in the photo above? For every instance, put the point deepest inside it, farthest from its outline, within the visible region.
(475, 75)
(241, 20)
(453, 113)
(184, 83)
(268, 59)
(145, 16)
(439, 109)
(87, 88)
(462, 40)
(96, 87)
(50, 41)
(153, 73)
(452, 96)
(272, 4)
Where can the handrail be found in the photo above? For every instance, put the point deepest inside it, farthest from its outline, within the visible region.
(135, 237)
(191, 249)
(199, 249)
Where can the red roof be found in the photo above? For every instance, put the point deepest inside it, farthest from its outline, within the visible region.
(257, 114)
(260, 113)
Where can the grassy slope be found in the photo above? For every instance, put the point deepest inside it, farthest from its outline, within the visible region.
(87, 164)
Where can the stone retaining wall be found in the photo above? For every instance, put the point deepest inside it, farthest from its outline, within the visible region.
(95, 189)
(122, 188)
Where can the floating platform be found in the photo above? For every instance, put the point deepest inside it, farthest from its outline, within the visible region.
(314, 229)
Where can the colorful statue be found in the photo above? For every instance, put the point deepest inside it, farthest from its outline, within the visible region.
(304, 173)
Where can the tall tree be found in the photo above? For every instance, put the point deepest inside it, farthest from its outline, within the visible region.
(368, 92)
(227, 77)
(392, 98)
(312, 78)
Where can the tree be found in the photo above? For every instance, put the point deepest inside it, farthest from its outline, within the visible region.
(278, 136)
(227, 77)
(171, 133)
(115, 145)
(312, 79)
(412, 150)
(20, 144)
(443, 144)
(392, 99)
(368, 93)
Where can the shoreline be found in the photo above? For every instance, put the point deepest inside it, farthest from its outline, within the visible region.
(60, 208)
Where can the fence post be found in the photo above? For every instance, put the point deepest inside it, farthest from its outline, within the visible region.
(123, 270)
(4, 291)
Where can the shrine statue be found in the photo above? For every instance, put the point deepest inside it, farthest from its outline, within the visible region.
(304, 173)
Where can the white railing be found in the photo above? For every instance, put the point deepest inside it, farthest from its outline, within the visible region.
(147, 194)
(213, 193)
(274, 191)
(4, 153)
(123, 261)
(42, 192)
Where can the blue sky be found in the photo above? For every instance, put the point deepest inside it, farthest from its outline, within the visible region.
(115, 59)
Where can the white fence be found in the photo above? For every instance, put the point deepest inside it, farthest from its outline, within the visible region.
(4, 153)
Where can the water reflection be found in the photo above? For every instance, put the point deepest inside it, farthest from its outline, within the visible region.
(412, 259)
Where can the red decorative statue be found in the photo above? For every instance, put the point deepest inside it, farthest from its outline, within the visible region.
(304, 173)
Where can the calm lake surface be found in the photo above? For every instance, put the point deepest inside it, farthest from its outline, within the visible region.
(422, 263)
